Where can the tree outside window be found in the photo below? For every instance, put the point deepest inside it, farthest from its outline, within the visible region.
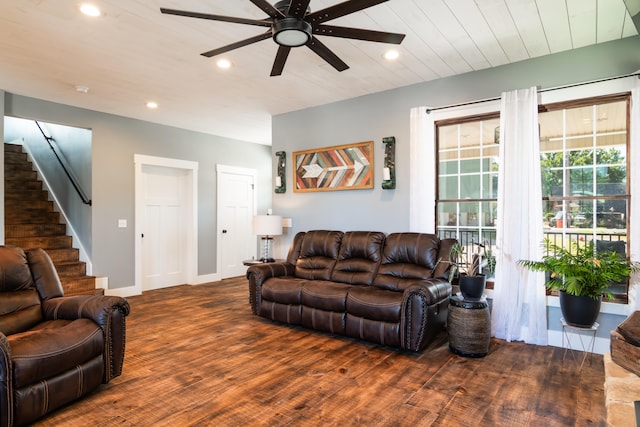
(584, 165)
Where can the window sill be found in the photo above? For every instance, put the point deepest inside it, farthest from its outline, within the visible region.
(607, 307)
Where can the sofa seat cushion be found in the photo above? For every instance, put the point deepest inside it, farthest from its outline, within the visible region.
(53, 347)
(374, 303)
(284, 290)
(325, 295)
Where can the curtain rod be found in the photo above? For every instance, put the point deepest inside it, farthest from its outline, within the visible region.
(462, 104)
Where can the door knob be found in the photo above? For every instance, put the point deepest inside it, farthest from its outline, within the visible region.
(224, 231)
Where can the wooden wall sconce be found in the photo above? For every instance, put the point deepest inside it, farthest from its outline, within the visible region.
(281, 182)
(389, 168)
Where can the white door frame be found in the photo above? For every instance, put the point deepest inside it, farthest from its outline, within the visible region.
(191, 227)
(220, 169)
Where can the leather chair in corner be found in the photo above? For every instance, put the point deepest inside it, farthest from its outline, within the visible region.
(53, 349)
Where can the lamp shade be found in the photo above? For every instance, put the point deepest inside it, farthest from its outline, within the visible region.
(267, 225)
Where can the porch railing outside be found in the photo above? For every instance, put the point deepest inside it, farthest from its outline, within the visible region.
(469, 238)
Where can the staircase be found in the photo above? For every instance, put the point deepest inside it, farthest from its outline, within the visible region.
(30, 222)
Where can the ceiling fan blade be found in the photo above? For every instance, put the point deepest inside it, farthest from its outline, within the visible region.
(238, 44)
(298, 8)
(258, 22)
(340, 9)
(326, 54)
(358, 34)
(281, 58)
(268, 8)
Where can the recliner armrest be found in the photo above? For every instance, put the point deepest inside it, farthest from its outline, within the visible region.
(95, 307)
(258, 274)
(108, 312)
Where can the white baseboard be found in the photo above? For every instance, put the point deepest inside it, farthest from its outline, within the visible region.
(129, 291)
(102, 282)
(206, 278)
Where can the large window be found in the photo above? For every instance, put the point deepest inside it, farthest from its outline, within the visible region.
(468, 180)
(583, 145)
(585, 190)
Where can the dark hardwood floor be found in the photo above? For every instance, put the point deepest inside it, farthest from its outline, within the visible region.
(197, 356)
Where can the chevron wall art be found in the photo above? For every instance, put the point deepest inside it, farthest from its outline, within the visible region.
(341, 167)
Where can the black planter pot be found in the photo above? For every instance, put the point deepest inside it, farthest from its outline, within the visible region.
(579, 311)
(472, 287)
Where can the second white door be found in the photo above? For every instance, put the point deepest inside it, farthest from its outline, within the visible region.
(236, 241)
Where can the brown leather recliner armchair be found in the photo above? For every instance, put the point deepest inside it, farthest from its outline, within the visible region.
(53, 349)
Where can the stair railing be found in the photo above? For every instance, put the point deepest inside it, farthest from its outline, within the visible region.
(70, 175)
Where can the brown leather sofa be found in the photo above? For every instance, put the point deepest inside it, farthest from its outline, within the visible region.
(390, 289)
(53, 349)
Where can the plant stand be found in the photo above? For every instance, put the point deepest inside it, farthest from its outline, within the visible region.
(587, 346)
(469, 327)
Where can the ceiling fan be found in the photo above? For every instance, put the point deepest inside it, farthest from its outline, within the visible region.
(291, 24)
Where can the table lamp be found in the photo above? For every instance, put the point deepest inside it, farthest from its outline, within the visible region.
(267, 226)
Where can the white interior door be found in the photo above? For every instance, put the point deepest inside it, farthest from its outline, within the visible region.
(164, 236)
(236, 201)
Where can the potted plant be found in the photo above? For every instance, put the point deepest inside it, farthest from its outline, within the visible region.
(581, 275)
(468, 269)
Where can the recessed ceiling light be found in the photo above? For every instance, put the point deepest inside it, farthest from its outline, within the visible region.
(152, 105)
(90, 10)
(391, 55)
(224, 63)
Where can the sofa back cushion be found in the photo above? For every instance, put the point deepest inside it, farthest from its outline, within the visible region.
(19, 301)
(45, 275)
(407, 257)
(15, 274)
(359, 257)
(294, 249)
(318, 254)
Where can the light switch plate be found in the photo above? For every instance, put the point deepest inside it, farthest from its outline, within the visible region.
(122, 223)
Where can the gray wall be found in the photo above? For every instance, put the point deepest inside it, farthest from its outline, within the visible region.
(73, 145)
(115, 140)
(375, 116)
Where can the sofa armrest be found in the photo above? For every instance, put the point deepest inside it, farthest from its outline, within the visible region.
(108, 312)
(444, 259)
(433, 290)
(421, 307)
(258, 274)
(6, 383)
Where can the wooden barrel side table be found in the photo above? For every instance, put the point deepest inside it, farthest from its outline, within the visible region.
(469, 327)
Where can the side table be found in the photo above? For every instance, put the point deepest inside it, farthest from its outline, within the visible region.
(250, 262)
(469, 327)
(587, 347)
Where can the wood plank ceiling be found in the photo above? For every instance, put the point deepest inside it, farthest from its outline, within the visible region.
(133, 53)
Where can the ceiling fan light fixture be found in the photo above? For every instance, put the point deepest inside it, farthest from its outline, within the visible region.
(291, 32)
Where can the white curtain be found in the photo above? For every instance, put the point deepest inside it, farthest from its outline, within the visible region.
(634, 208)
(422, 165)
(519, 303)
